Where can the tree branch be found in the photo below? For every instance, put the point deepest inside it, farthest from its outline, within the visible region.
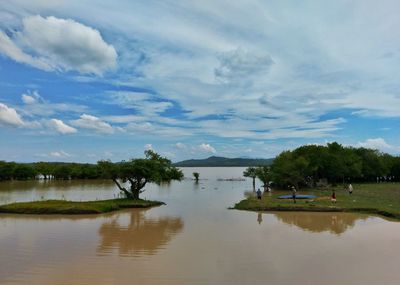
(123, 189)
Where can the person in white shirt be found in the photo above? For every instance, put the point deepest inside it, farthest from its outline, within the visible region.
(350, 188)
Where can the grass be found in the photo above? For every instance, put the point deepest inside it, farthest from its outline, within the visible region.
(380, 199)
(72, 208)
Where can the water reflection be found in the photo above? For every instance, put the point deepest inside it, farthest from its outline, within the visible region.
(259, 218)
(336, 223)
(141, 236)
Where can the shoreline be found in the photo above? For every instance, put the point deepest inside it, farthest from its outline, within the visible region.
(374, 199)
(61, 207)
(370, 211)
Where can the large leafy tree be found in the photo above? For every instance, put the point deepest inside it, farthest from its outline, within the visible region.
(138, 172)
(289, 169)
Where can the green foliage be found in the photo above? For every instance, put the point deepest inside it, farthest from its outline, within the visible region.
(290, 169)
(23, 172)
(263, 173)
(62, 172)
(250, 172)
(72, 207)
(374, 198)
(138, 172)
(306, 165)
(7, 170)
(196, 176)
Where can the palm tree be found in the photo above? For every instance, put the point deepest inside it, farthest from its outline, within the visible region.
(251, 172)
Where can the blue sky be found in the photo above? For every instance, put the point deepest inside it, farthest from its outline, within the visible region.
(90, 80)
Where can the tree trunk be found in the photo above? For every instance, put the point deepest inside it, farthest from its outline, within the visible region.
(254, 184)
(126, 192)
(135, 193)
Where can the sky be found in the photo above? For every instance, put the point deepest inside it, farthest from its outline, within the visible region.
(85, 80)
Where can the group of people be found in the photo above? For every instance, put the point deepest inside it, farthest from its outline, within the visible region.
(294, 191)
(266, 189)
(349, 189)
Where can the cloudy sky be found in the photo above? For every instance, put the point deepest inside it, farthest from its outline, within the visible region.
(85, 80)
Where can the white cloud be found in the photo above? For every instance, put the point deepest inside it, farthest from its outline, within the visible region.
(143, 103)
(10, 49)
(61, 127)
(59, 44)
(239, 64)
(274, 91)
(28, 99)
(206, 148)
(10, 117)
(59, 154)
(148, 147)
(31, 98)
(379, 144)
(180, 146)
(93, 123)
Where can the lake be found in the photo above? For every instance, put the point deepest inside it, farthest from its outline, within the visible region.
(194, 239)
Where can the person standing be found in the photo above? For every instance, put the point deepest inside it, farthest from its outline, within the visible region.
(259, 194)
(350, 188)
(333, 198)
(294, 194)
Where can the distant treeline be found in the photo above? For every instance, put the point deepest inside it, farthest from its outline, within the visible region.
(312, 164)
(216, 161)
(50, 170)
(305, 166)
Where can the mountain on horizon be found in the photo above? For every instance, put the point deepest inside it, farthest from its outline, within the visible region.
(214, 161)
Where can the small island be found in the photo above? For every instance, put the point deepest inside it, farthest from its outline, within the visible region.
(75, 208)
(377, 199)
(330, 173)
(136, 172)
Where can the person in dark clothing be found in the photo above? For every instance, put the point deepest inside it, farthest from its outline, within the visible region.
(259, 194)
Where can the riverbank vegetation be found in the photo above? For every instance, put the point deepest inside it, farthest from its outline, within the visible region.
(136, 172)
(313, 166)
(373, 198)
(73, 208)
(140, 171)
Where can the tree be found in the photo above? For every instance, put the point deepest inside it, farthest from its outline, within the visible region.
(44, 168)
(7, 170)
(196, 176)
(263, 173)
(24, 172)
(251, 172)
(287, 169)
(62, 172)
(138, 172)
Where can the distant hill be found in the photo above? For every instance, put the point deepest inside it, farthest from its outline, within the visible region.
(223, 161)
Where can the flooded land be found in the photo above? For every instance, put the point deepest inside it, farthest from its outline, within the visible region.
(193, 239)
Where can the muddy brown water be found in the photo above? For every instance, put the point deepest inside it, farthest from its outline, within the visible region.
(193, 239)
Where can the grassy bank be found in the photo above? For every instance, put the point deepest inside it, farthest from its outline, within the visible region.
(380, 199)
(73, 208)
